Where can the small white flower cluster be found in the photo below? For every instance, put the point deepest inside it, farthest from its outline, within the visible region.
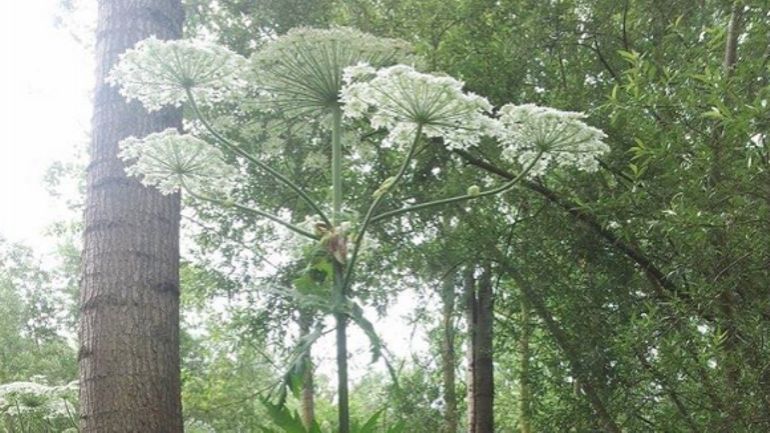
(159, 73)
(562, 137)
(170, 161)
(13, 389)
(399, 98)
(302, 70)
(197, 426)
(17, 398)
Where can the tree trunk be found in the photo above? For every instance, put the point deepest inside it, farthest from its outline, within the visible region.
(308, 391)
(584, 384)
(448, 358)
(484, 388)
(129, 292)
(525, 392)
(469, 288)
(719, 240)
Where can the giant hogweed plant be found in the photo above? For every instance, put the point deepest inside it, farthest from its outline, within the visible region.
(341, 80)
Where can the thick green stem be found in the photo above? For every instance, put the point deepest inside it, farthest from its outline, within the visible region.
(336, 165)
(339, 288)
(342, 358)
(237, 150)
(369, 218)
(502, 188)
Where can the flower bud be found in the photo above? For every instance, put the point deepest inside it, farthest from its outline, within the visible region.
(385, 186)
(474, 190)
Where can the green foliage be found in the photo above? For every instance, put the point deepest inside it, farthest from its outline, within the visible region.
(34, 318)
(287, 421)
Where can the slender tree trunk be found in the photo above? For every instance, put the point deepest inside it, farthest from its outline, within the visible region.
(129, 293)
(733, 31)
(562, 340)
(469, 288)
(525, 392)
(719, 239)
(308, 388)
(484, 389)
(448, 359)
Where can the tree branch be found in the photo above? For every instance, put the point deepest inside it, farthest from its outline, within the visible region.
(660, 281)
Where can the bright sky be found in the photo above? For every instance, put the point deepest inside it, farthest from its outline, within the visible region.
(45, 85)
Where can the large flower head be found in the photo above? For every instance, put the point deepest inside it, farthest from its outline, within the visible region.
(171, 161)
(49, 402)
(561, 138)
(399, 98)
(302, 71)
(159, 73)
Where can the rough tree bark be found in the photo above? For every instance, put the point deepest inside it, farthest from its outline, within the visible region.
(129, 291)
(484, 388)
(448, 358)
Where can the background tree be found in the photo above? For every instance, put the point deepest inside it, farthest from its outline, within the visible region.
(35, 307)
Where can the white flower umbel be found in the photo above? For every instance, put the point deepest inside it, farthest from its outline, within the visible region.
(160, 73)
(302, 70)
(48, 402)
(562, 137)
(399, 98)
(170, 161)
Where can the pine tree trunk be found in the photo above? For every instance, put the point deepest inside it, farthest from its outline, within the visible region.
(448, 358)
(129, 294)
(484, 388)
(469, 288)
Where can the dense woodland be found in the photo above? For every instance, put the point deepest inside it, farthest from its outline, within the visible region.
(630, 299)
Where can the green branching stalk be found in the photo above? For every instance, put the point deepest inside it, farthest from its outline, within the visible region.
(234, 148)
(368, 219)
(261, 213)
(502, 188)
